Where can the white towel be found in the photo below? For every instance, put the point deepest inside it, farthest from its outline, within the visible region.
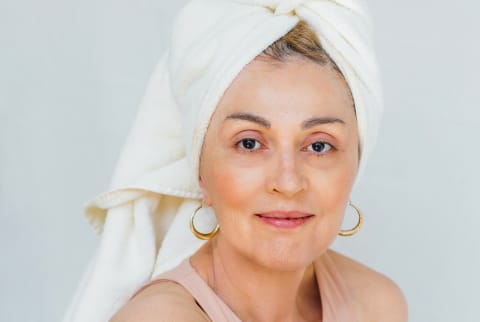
(144, 217)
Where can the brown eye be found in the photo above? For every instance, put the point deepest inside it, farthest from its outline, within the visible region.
(319, 147)
(248, 144)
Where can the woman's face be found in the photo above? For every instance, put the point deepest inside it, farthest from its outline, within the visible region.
(279, 160)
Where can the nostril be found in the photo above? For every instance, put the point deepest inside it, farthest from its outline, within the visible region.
(288, 182)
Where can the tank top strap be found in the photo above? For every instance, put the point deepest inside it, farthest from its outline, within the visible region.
(186, 276)
(337, 302)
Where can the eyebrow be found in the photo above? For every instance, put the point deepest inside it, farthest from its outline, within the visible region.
(251, 118)
(307, 124)
(321, 120)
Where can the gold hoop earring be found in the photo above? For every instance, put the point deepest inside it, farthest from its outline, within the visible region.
(198, 234)
(358, 226)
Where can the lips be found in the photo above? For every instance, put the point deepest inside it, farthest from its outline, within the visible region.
(285, 219)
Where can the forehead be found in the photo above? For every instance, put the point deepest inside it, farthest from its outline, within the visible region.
(297, 87)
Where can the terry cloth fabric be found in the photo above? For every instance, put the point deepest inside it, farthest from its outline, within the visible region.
(144, 216)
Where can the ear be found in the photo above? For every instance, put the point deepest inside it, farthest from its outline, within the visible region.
(206, 197)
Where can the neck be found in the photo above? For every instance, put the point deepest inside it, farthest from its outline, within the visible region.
(258, 293)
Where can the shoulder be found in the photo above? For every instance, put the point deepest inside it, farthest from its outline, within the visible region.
(378, 298)
(161, 302)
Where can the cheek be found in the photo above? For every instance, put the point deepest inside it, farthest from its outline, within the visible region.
(233, 187)
(343, 178)
(341, 186)
(330, 191)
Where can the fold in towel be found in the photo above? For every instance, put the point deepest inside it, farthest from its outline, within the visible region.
(144, 218)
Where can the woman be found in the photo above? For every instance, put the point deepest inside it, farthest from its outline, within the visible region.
(275, 151)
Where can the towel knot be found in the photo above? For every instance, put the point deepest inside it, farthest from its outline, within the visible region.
(287, 7)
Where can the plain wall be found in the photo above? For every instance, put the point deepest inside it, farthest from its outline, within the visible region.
(72, 75)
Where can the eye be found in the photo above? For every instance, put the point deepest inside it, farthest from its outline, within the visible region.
(248, 144)
(319, 147)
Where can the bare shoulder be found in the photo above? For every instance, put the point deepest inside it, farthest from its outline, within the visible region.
(377, 296)
(161, 302)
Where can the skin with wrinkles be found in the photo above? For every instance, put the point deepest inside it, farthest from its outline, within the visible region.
(278, 163)
(283, 138)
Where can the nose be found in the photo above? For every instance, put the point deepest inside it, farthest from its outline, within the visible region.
(286, 175)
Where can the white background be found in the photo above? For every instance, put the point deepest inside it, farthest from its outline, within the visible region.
(73, 73)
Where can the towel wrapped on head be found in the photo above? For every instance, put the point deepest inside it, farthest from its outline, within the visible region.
(145, 215)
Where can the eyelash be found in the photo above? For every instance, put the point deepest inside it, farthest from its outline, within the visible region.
(238, 144)
(258, 144)
(324, 144)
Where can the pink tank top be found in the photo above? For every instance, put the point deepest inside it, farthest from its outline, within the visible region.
(337, 305)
